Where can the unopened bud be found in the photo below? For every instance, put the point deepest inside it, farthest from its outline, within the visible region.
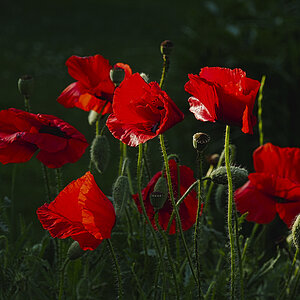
(166, 47)
(296, 232)
(93, 116)
(200, 141)
(120, 193)
(75, 251)
(213, 159)
(25, 85)
(160, 193)
(239, 175)
(100, 152)
(117, 75)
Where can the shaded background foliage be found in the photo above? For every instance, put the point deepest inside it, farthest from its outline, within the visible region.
(261, 37)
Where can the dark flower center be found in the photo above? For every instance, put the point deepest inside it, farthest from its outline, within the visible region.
(280, 200)
(105, 97)
(53, 130)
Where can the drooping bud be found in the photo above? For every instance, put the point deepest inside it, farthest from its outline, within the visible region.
(200, 141)
(213, 159)
(166, 47)
(75, 251)
(93, 116)
(296, 232)
(160, 193)
(239, 175)
(117, 75)
(100, 152)
(26, 85)
(120, 193)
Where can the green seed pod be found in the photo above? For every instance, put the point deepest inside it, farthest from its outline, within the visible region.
(296, 232)
(200, 141)
(120, 193)
(75, 251)
(26, 85)
(117, 75)
(239, 175)
(100, 152)
(160, 193)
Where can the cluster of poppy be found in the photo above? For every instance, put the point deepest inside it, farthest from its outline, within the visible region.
(139, 111)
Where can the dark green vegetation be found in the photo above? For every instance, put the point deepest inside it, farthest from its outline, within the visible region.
(36, 38)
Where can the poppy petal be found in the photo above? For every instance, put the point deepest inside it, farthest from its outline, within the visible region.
(261, 207)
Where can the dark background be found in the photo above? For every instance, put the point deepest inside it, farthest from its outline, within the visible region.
(37, 37)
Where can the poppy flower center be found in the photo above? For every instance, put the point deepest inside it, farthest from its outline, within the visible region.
(53, 130)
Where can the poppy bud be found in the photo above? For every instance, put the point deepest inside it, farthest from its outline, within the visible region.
(296, 232)
(25, 85)
(120, 193)
(160, 193)
(166, 47)
(100, 152)
(200, 141)
(93, 116)
(213, 159)
(117, 75)
(75, 251)
(239, 175)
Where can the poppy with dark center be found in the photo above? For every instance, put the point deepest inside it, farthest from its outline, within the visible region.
(80, 211)
(188, 208)
(221, 94)
(94, 88)
(141, 111)
(23, 133)
(274, 188)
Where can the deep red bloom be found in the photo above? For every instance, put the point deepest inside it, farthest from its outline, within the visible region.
(188, 208)
(93, 88)
(225, 95)
(274, 188)
(23, 133)
(141, 111)
(80, 211)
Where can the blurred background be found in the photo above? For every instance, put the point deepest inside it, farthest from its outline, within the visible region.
(260, 37)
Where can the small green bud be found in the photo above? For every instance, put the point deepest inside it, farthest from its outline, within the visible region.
(117, 75)
(100, 152)
(75, 251)
(26, 85)
(296, 232)
(160, 193)
(239, 175)
(200, 141)
(120, 193)
(166, 47)
(93, 117)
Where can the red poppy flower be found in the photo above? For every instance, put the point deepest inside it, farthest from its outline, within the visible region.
(274, 188)
(188, 208)
(93, 89)
(141, 111)
(23, 133)
(80, 211)
(225, 95)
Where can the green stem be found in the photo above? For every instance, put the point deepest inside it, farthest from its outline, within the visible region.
(118, 271)
(46, 181)
(62, 278)
(259, 113)
(297, 275)
(229, 214)
(249, 240)
(168, 254)
(178, 220)
(27, 104)
(139, 179)
(164, 70)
